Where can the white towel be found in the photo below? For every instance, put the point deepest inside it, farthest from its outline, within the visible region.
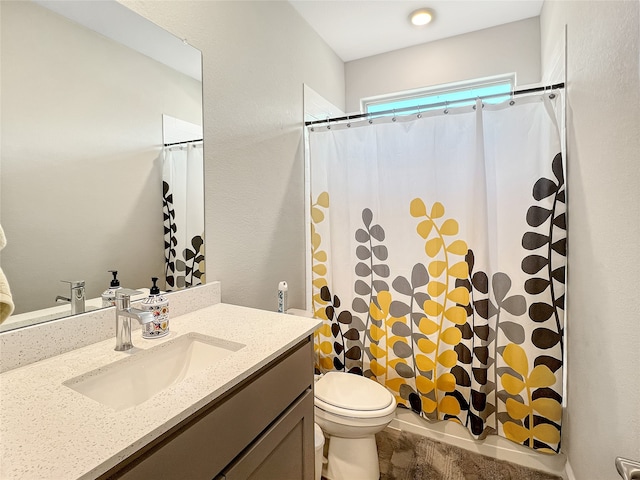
(6, 301)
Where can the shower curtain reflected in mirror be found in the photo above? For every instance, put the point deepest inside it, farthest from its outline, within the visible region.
(183, 208)
(439, 253)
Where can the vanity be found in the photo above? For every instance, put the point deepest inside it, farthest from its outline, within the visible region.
(245, 414)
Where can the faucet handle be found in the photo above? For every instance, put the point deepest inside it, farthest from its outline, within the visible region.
(74, 283)
(123, 300)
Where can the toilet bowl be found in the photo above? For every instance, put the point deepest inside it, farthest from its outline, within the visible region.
(350, 410)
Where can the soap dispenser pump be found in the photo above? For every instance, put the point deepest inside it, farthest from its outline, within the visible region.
(159, 306)
(109, 295)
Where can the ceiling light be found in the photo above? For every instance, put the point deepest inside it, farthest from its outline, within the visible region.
(421, 17)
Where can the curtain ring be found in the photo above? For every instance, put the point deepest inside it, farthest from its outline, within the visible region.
(419, 115)
(370, 119)
(328, 123)
(481, 103)
(348, 122)
(446, 107)
(551, 94)
(393, 119)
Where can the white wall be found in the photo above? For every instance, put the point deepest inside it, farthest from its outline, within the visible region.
(514, 47)
(603, 415)
(256, 57)
(81, 177)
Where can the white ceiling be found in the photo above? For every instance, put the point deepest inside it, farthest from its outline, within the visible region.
(362, 28)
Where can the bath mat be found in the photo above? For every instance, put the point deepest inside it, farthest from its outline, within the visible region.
(406, 456)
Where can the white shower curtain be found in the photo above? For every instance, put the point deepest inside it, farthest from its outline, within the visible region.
(183, 206)
(438, 248)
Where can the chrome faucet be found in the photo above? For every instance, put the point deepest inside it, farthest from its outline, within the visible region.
(124, 314)
(76, 298)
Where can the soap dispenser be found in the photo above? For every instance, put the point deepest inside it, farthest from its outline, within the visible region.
(109, 295)
(159, 306)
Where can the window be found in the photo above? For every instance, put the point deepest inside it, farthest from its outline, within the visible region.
(455, 94)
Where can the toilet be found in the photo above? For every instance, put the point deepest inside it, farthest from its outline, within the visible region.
(350, 410)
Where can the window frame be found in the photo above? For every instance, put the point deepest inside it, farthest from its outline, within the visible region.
(390, 99)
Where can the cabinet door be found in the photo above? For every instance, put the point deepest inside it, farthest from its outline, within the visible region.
(285, 451)
(207, 443)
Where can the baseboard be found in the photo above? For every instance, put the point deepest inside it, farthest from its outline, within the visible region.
(493, 446)
(569, 475)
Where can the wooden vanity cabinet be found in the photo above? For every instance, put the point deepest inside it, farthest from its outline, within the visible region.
(260, 429)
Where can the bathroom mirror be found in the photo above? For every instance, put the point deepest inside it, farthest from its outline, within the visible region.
(81, 172)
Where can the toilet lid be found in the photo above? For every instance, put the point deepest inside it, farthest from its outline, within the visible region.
(352, 392)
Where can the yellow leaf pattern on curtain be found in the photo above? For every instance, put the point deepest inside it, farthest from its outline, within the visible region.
(322, 336)
(442, 311)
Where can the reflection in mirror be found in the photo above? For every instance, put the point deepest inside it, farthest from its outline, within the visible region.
(86, 184)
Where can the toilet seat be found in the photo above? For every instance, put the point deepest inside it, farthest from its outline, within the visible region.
(349, 395)
(350, 413)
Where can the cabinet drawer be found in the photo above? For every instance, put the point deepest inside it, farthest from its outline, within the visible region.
(284, 451)
(207, 442)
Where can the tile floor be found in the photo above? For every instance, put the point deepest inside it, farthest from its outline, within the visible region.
(406, 456)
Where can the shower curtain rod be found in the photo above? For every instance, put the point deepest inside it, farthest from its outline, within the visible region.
(431, 105)
(182, 143)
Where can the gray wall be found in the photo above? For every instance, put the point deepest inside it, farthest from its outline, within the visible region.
(602, 419)
(256, 57)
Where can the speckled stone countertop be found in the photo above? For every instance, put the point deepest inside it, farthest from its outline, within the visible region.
(49, 431)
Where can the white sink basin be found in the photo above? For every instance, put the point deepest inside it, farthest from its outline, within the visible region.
(134, 380)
